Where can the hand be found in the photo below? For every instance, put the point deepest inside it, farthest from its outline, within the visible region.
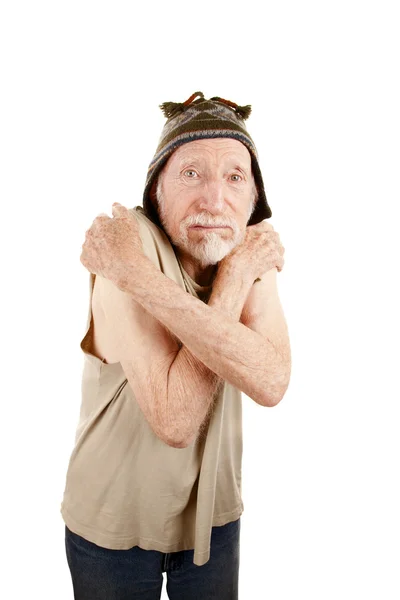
(260, 251)
(112, 243)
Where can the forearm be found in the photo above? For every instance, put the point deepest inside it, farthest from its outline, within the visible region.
(231, 350)
(192, 386)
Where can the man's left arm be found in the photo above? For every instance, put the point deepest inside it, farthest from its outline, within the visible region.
(249, 359)
(263, 313)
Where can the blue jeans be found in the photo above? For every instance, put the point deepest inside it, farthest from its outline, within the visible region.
(102, 574)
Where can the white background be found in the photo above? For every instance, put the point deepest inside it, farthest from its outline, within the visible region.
(81, 84)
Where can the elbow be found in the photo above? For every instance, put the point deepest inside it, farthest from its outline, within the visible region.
(271, 401)
(175, 441)
(276, 394)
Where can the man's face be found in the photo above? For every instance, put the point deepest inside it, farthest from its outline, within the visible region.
(205, 184)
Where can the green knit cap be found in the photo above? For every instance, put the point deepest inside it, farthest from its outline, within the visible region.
(197, 119)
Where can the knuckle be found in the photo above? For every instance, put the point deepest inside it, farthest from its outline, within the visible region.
(100, 219)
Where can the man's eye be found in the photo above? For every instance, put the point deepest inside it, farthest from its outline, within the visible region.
(190, 173)
(236, 175)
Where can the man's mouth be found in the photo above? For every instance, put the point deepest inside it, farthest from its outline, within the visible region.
(209, 227)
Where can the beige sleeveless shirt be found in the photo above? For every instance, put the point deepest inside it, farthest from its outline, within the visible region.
(124, 486)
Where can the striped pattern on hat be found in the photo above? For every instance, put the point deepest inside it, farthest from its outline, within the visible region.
(197, 119)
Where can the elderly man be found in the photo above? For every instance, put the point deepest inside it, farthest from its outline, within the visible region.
(184, 315)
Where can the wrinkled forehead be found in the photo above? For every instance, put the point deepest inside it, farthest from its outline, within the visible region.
(212, 149)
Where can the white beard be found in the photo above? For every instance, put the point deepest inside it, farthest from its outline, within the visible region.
(212, 247)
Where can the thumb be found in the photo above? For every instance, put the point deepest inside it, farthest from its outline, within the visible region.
(118, 210)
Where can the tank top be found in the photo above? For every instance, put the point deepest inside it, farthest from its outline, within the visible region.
(124, 486)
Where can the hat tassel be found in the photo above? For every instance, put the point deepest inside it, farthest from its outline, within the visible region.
(172, 108)
(243, 111)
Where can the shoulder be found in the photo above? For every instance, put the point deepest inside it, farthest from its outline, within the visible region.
(263, 310)
(154, 239)
(263, 296)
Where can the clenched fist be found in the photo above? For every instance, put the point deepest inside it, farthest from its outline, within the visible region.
(111, 244)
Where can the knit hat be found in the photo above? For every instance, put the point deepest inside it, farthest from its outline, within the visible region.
(197, 119)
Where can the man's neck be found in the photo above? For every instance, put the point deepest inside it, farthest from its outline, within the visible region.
(203, 276)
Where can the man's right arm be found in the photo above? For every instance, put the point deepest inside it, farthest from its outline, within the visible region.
(174, 389)
(191, 385)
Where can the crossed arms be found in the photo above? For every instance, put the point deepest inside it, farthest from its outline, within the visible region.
(211, 345)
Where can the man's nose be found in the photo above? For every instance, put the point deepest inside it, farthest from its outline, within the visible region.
(213, 197)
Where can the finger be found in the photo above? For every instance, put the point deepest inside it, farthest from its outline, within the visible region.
(280, 263)
(82, 258)
(118, 210)
(101, 218)
(278, 244)
(279, 247)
